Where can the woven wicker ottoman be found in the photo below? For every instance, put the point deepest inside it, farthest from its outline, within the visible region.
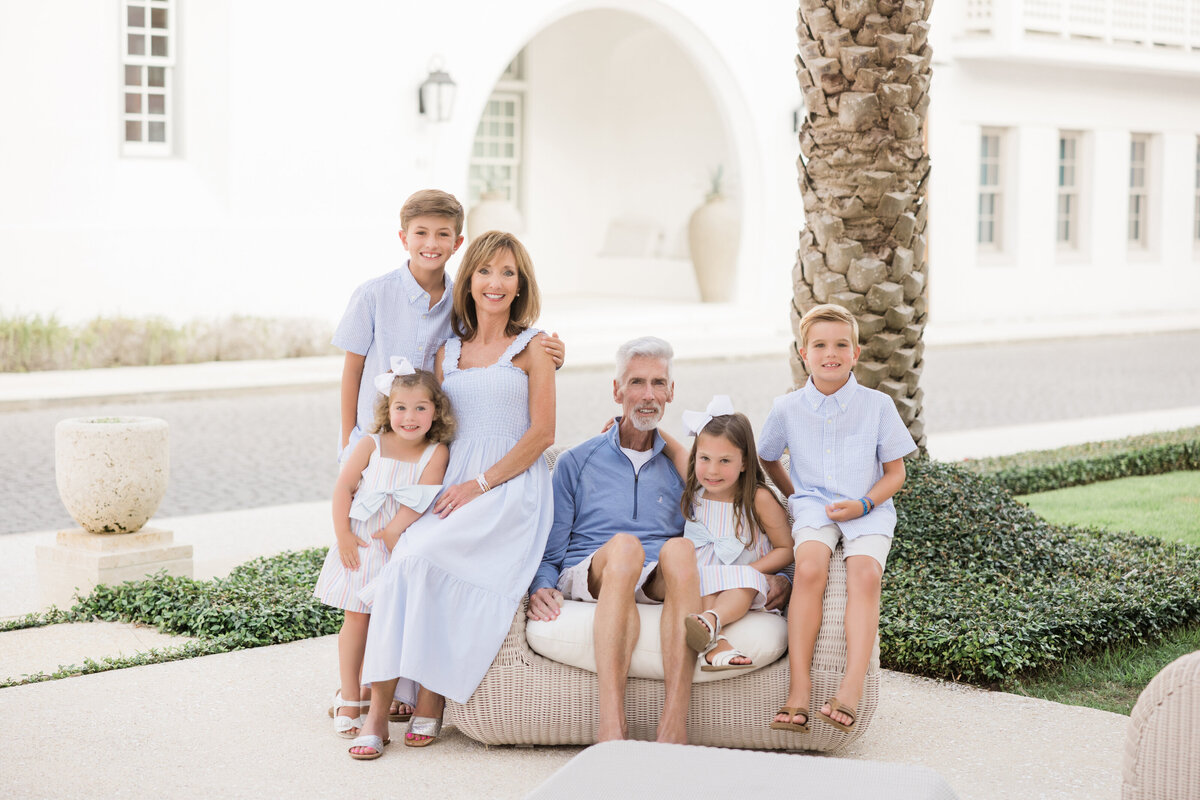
(526, 699)
(1162, 746)
(648, 769)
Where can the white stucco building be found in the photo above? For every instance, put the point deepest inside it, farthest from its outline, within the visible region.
(197, 159)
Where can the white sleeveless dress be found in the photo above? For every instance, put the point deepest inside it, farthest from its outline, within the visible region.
(385, 485)
(445, 601)
(723, 560)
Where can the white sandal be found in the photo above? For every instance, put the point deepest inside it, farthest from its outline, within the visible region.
(343, 725)
(721, 660)
(702, 637)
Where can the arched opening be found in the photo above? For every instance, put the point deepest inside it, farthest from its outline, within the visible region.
(606, 137)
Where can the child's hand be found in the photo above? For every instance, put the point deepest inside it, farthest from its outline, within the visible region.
(348, 549)
(844, 510)
(555, 347)
(388, 538)
(608, 424)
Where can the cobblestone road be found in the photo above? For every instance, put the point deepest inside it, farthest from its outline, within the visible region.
(272, 448)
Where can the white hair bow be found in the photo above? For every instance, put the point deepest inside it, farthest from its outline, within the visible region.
(694, 421)
(400, 366)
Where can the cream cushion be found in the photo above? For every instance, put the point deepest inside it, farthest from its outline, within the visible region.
(568, 640)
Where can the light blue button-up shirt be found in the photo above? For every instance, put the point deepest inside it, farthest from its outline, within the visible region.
(390, 316)
(838, 444)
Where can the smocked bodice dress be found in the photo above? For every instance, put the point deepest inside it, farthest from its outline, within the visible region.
(722, 560)
(445, 601)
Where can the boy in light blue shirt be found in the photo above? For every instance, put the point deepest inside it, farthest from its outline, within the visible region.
(846, 443)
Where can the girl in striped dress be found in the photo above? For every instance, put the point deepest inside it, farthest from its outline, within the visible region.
(739, 528)
(386, 483)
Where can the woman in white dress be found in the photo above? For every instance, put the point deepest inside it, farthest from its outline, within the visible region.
(444, 603)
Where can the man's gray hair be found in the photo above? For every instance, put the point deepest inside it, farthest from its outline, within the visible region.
(647, 347)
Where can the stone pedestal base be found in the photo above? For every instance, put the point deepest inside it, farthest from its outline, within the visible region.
(79, 561)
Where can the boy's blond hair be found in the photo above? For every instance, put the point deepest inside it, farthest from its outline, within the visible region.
(827, 312)
(432, 203)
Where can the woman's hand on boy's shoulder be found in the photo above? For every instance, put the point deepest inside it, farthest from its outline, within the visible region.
(555, 347)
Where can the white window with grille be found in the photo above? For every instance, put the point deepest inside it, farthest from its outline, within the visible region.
(148, 62)
(496, 154)
(1139, 191)
(991, 190)
(1070, 152)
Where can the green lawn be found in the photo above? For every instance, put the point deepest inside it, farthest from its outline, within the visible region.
(1111, 679)
(1166, 506)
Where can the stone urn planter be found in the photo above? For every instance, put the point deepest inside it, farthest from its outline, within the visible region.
(714, 232)
(494, 212)
(111, 471)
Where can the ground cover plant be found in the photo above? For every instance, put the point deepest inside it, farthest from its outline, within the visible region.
(1165, 506)
(33, 342)
(265, 601)
(980, 589)
(1077, 465)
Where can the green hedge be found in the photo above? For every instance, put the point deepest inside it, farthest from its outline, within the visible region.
(979, 588)
(1042, 471)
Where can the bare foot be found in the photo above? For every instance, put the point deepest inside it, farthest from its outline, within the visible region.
(398, 709)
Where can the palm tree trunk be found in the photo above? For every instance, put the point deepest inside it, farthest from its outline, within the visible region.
(864, 68)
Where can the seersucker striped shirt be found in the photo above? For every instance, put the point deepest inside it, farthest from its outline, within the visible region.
(390, 316)
(838, 445)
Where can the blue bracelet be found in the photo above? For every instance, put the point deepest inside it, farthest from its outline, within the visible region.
(866, 510)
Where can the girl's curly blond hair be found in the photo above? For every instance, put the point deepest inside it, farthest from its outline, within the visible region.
(442, 429)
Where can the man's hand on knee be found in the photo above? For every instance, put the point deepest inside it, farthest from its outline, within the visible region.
(545, 604)
(779, 590)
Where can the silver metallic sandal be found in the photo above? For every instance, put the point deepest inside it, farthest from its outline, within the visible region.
(430, 727)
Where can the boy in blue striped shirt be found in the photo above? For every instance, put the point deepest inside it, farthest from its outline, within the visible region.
(846, 443)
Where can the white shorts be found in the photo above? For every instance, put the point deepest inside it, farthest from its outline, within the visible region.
(573, 583)
(874, 545)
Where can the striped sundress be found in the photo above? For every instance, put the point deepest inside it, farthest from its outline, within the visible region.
(338, 586)
(722, 560)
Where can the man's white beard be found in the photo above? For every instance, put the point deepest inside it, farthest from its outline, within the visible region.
(642, 424)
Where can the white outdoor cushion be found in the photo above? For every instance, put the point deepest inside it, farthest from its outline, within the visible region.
(568, 640)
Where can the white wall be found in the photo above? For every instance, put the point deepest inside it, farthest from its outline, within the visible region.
(1031, 279)
(298, 140)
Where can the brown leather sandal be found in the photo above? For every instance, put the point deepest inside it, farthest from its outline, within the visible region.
(791, 726)
(837, 707)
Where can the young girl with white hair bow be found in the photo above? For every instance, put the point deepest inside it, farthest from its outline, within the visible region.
(739, 528)
(388, 480)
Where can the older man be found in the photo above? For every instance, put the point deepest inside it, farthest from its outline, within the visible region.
(616, 540)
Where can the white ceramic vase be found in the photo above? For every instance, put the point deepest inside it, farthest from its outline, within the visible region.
(494, 212)
(111, 471)
(714, 232)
